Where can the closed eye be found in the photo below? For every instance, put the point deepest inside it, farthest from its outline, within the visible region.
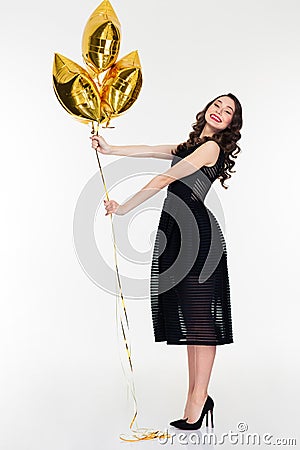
(228, 112)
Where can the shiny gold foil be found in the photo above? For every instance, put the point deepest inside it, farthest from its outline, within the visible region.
(121, 86)
(75, 89)
(101, 39)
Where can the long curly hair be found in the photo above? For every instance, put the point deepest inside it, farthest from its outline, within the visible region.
(226, 139)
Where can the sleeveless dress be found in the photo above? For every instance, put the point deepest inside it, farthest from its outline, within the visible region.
(189, 285)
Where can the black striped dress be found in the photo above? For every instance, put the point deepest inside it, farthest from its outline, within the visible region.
(189, 285)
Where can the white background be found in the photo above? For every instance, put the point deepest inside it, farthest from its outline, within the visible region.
(62, 385)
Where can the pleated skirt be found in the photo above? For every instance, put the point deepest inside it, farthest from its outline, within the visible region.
(189, 286)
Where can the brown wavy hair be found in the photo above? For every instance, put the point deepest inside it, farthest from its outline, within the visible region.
(226, 139)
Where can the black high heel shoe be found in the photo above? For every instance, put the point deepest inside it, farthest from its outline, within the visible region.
(208, 406)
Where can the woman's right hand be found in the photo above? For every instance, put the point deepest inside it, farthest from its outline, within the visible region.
(99, 144)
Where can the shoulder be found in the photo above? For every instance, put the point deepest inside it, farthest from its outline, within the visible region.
(212, 146)
(210, 150)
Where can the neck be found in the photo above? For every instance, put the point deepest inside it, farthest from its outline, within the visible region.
(207, 131)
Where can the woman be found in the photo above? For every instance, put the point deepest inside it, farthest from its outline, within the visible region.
(190, 292)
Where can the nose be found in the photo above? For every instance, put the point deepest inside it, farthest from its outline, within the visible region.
(218, 113)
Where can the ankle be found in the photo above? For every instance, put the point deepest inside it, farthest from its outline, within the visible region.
(199, 396)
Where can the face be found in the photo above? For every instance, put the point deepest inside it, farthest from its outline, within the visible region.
(220, 113)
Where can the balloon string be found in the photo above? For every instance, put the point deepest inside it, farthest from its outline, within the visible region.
(138, 433)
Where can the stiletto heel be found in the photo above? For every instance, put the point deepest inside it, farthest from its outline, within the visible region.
(207, 407)
(212, 417)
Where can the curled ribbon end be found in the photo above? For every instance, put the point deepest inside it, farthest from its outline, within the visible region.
(145, 435)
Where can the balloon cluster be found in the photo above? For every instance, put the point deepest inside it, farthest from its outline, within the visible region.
(80, 90)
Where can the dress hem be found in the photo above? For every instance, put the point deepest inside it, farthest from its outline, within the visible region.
(194, 342)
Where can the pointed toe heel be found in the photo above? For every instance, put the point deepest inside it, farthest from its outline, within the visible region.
(207, 407)
(174, 423)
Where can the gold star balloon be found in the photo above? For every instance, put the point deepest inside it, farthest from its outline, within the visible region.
(101, 39)
(121, 86)
(75, 89)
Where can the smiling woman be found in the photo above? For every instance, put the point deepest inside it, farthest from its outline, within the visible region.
(189, 286)
(190, 289)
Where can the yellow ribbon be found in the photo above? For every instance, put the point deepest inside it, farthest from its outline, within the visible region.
(139, 434)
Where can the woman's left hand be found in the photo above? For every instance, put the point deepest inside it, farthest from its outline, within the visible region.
(113, 207)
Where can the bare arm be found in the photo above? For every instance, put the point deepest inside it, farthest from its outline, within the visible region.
(138, 151)
(144, 151)
(206, 153)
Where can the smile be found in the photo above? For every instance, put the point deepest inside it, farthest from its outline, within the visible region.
(216, 118)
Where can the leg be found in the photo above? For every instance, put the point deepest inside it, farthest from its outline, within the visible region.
(204, 359)
(191, 353)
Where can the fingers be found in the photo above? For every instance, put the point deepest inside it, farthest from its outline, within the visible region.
(110, 206)
(96, 137)
(96, 141)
